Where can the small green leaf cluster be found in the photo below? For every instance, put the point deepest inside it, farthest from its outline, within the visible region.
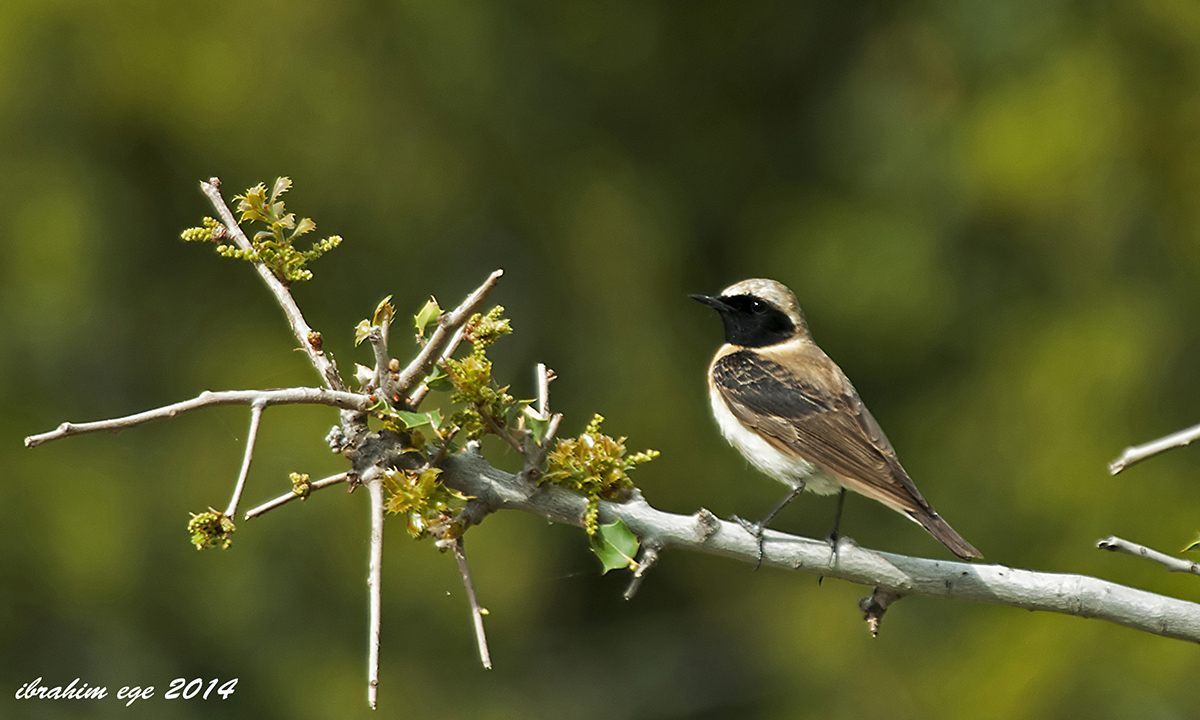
(422, 499)
(301, 486)
(594, 464)
(419, 495)
(484, 400)
(382, 318)
(484, 330)
(274, 245)
(211, 529)
(487, 405)
(207, 232)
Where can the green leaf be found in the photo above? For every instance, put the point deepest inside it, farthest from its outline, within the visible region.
(430, 312)
(440, 381)
(616, 546)
(361, 330)
(383, 312)
(305, 225)
(282, 185)
(1192, 545)
(536, 425)
(411, 419)
(516, 409)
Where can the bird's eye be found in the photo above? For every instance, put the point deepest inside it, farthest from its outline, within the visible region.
(758, 307)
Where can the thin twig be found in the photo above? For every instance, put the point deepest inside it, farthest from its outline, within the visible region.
(323, 362)
(1068, 594)
(875, 606)
(1174, 564)
(477, 612)
(256, 411)
(497, 429)
(374, 485)
(447, 325)
(379, 344)
(535, 453)
(544, 376)
(1138, 453)
(648, 560)
(414, 400)
(289, 396)
(445, 449)
(288, 497)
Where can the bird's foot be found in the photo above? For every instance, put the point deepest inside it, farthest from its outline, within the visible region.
(755, 530)
(832, 539)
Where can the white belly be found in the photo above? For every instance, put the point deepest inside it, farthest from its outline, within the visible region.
(787, 469)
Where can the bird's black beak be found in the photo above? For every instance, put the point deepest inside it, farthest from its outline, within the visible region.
(713, 302)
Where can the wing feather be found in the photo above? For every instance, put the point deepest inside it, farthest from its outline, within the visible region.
(821, 419)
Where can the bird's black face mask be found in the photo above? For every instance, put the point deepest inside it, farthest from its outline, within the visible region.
(750, 321)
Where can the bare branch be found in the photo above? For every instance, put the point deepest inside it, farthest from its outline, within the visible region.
(1068, 594)
(477, 612)
(374, 485)
(1138, 453)
(535, 453)
(256, 411)
(308, 338)
(499, 430)
(1174, 564)
(379, 344)
(875, 606)
(544, 376)
(414, 400)
(288, 497)
(649, 558)
(289, 396)
(448, 325)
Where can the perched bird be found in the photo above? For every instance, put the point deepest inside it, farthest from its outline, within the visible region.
(792, 412)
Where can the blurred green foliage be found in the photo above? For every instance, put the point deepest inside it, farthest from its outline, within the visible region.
(988, 211)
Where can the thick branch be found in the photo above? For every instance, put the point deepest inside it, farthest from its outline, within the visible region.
(308, 338)
(1174, 564)
(1138, 453)
(901, 575)
(289, 396)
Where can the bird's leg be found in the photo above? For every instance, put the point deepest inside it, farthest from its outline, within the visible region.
(756, 529)
(833, 534)
(837, 519)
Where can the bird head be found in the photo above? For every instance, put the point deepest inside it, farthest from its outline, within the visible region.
(758, 313)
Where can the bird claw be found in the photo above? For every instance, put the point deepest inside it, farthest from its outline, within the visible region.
(757, 531)
(832, 539)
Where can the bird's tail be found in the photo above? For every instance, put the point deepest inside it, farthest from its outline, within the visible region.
(946, 535)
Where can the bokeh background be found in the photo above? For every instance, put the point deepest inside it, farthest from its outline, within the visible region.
(988, 210)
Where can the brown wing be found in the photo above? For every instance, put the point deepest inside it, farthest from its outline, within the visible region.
(828, 426)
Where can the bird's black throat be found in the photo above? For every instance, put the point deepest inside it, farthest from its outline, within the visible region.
(751, 321)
